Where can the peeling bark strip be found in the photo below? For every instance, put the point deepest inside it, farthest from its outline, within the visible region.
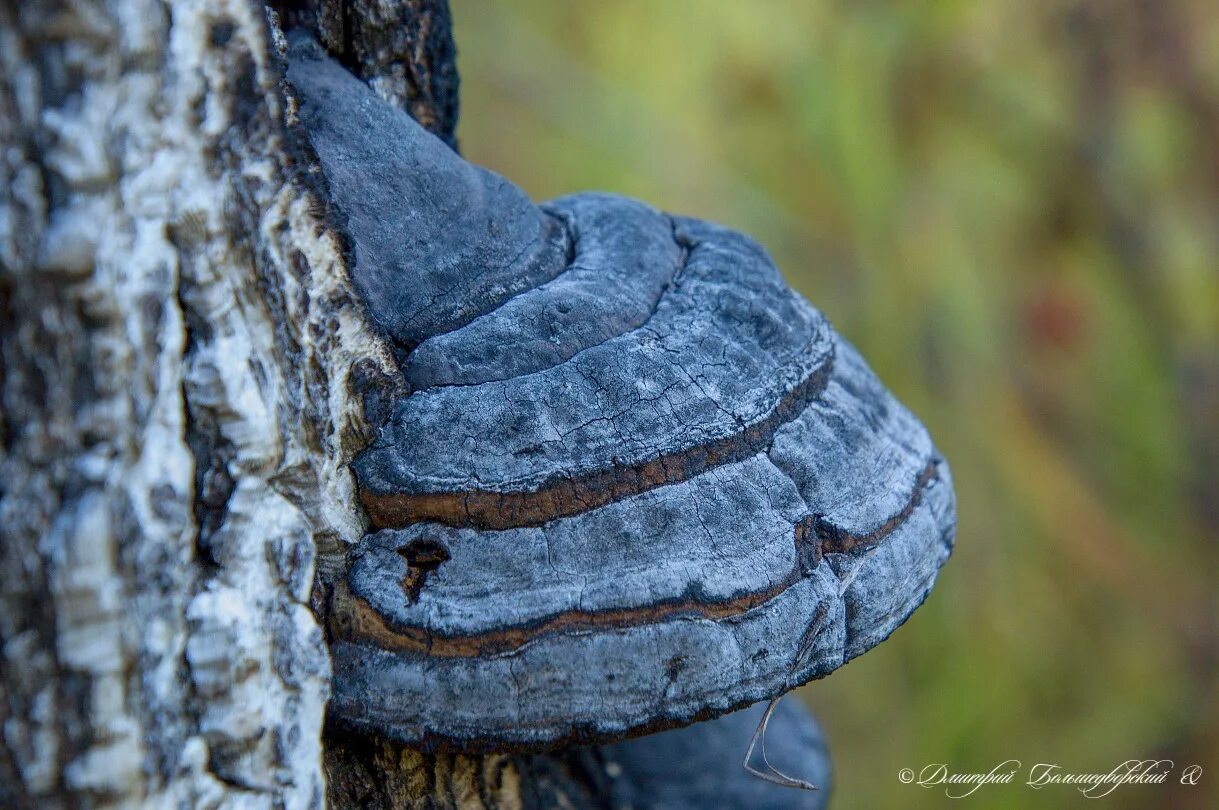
(629, 475)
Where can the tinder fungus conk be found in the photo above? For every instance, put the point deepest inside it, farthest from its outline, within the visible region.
(700, 765)
(632, 480)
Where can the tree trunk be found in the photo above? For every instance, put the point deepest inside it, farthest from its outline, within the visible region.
(179, 352)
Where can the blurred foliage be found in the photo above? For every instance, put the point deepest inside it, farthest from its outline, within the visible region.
(1013, 210)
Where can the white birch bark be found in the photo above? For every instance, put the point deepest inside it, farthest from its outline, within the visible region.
(177, 332)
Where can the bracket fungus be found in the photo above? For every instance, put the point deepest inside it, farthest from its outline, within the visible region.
(699, 765)
(630, 479)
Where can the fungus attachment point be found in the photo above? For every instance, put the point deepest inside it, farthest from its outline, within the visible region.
(634, 480)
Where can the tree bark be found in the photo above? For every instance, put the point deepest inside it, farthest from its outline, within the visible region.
(178, 348)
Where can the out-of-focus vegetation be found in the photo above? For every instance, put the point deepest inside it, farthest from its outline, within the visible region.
(1013, 209)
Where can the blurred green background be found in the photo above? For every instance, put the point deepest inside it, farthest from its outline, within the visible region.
(1013, 210)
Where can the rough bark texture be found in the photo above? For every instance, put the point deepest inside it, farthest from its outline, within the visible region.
(177, 332)
(402, 48)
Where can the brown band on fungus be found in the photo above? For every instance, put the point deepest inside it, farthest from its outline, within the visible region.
(834, 539)
(357, 620)
(368, 625)
(483, 509)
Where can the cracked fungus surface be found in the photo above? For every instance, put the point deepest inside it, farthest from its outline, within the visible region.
(633, 479)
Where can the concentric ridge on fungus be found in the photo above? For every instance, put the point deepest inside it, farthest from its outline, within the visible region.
(634, 480)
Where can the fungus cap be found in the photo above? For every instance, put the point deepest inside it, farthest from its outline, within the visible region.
(700, 765)
(632, 480)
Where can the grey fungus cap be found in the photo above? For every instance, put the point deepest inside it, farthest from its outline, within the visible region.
(632, 481)
(700, 765)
